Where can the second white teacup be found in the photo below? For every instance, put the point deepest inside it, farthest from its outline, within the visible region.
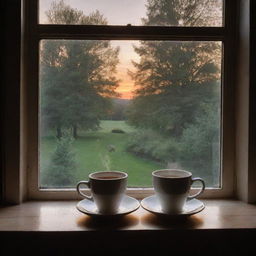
(172, 188)
(107, 190)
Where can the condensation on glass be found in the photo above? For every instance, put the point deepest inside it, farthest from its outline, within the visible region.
(132, 106)
(200, 13)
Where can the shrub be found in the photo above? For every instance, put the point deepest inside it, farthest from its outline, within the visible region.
(150, 144)
(117, 131)
(60, 171)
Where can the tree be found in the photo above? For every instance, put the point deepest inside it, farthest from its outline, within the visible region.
(62, 166)
(173, 78)
(184, 13)
(178, 84)
(118, 109)
(77, 76)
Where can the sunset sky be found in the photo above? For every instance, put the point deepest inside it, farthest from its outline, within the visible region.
(117, 13)
(126, 54)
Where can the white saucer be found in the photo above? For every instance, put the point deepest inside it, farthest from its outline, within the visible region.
(191, 207)
(128, 205)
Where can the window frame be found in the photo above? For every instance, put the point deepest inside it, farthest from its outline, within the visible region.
(35, 32)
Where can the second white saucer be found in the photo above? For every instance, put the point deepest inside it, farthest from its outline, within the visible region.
(152, 205)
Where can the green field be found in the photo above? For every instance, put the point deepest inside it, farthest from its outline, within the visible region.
(92, 154)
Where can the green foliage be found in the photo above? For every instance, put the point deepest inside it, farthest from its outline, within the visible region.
(174, 78)
(184, 12)
(76, 76)
(197, 149)
(93, 154)
(200, 143)
(61, 169)
(118, 109)
(178, 91)
(61, 13)
(152, 145)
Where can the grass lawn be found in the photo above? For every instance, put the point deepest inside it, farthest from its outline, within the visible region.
(92, 153)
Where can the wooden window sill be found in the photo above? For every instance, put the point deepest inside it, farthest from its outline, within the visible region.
(221, 223)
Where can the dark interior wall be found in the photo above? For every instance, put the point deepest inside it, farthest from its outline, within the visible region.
(252, 91)
(130, 243)
(10, 89)
(1, 109)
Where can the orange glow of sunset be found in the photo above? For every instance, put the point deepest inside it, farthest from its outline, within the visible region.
(126, 56)
(125, 90)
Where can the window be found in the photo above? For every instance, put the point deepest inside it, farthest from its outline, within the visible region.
(129, 92)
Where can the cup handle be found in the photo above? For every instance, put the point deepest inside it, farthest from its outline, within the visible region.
(87, 183)
(199, 192)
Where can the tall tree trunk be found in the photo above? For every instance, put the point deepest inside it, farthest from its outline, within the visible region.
(75, 131)
(59, 133)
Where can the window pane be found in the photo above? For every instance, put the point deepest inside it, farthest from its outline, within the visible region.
(133, 106)
(136, 12)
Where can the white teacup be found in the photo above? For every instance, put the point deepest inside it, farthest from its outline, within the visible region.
(107, 190)
(172, 188)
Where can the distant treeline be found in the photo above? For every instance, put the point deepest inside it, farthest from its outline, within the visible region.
(118, 110)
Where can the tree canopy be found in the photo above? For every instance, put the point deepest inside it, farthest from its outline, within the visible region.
(184, 13)
(177, 92)
(60, 172)
(173, 78)
(77, 77)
